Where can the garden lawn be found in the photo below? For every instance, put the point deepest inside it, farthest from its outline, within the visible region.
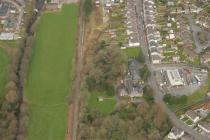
(49, 76)
(132, 52)
(4, 63)
(105, 107)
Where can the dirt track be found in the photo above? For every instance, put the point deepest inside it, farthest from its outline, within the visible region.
(75, 92)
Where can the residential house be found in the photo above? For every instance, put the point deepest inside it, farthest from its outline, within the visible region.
(156, 59)
(122, 91)
(132, 24)
(153, 35)
(132, 84)
(187, 137)
(192, 115)
(204, 126)
(4, 10)
(175, 133)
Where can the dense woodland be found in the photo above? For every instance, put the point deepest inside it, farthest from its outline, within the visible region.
(106, 64)
(128, 122)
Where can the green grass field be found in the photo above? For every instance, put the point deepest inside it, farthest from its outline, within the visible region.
(105, 107)
(49, 76)
(4, 63)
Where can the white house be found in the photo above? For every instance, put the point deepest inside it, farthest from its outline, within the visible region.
(175, 133)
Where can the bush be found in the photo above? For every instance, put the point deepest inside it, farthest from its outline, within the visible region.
(145, 73)
(108, 88)
(148, 94)
(90, 83)
(88, 8)
(175, 100)
(140, 58)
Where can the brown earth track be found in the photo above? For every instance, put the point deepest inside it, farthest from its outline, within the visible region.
(75, 91)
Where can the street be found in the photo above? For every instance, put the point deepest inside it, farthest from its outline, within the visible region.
(158, 96)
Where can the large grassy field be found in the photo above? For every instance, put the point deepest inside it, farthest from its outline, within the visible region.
(49, 76)
(4, 63)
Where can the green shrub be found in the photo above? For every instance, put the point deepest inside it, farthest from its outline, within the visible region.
(168, 98)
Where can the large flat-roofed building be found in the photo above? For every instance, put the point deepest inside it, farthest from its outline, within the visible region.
(174, 77)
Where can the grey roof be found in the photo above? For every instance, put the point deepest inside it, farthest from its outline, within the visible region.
(134, 70)
(176, 131)
(4, 7)
(152, 43)
(187, 137)
(11, 23)
(191, 114)
(205, 125)
(154, 49)
(155, 57)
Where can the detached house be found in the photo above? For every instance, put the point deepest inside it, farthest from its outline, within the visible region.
(192, 116)
(204, 126)
(187, 137)
(175, 133)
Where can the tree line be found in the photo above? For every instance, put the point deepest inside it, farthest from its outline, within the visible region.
(14, 107)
